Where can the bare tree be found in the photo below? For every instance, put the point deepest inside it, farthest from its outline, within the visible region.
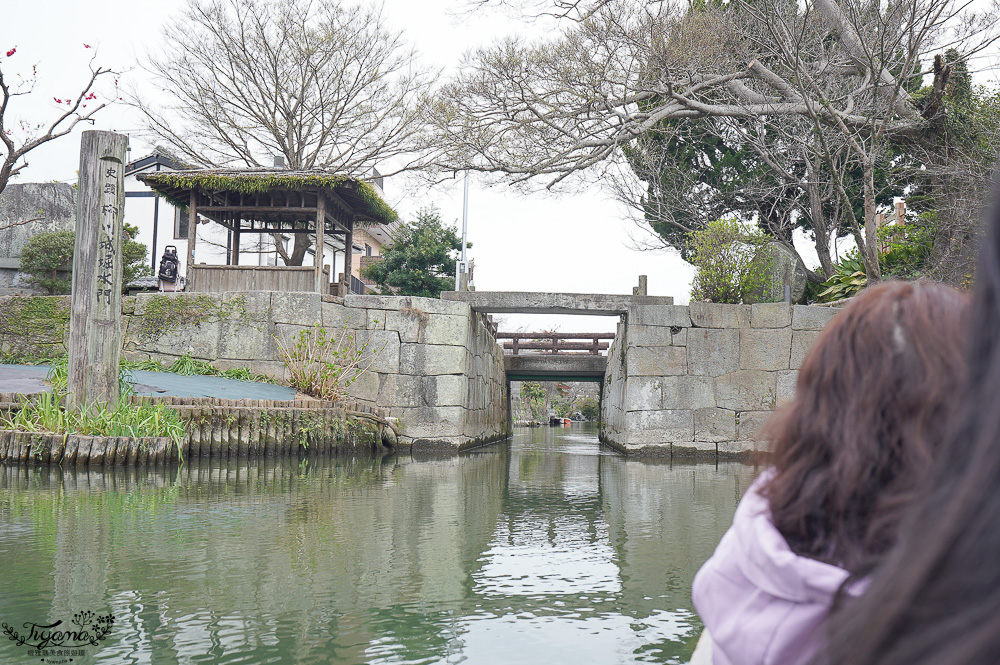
(845, 67)
(20, 135)
(323, 84)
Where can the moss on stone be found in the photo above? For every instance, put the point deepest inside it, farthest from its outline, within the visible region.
(34, 326)
(163, 314)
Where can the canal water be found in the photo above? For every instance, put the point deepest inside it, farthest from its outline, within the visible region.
(544, 549)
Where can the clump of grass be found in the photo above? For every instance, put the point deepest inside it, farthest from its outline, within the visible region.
(184, 365)
(149, 365)
(47, 413)
(188, 366)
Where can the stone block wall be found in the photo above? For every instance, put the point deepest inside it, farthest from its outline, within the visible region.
(439, 369)
(700, 380)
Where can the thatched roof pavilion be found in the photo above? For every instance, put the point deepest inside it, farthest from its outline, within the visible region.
(270, 201)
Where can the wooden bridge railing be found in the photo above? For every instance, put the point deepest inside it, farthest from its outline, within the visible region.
(554, 343)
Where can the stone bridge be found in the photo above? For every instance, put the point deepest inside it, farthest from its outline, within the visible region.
(691, 380)
(677, 380)
(549, 367)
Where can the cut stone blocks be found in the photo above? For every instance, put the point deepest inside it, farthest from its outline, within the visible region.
(365, 388)
(643, 393)
(432, 422)
(432, 359)
(786, 385)
(660, 315)
(657, 361)
(645, 450)
(717, 315)
(802, 341)
(750, 424)
(337, 316)
(770, 315)
(239, 341)
(659, 426)
(694, 449)
(295, 307)
(712, 352)
(812, 317)
(446, 329)
(446, 390)
(375, 319)
(687, 392)
(643, 335)
(714, 425)
(426, 305)
(739, 449)
(200, 340)
(255, 305)
(765, 349)
(746, 390)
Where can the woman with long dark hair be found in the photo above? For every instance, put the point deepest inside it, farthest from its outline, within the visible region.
(847, 455)
(936, 596)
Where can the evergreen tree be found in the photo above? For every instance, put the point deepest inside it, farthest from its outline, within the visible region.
(421, 259)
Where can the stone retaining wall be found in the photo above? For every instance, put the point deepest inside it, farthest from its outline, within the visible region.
(439, 370)
(700, 380)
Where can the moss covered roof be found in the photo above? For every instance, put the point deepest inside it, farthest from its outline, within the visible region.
(362, 196)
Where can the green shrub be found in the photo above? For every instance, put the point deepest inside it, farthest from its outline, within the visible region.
(420, 261)
(45, 256)
(46, 259)
(533, 397)
(134, 253)
(907, 247)
(730, 269)
(848, 280)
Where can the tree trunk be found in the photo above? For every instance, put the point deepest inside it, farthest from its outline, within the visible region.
(303, 241)
(820, 230)
(870, 253)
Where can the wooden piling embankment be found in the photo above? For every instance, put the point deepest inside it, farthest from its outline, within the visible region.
(214, 430)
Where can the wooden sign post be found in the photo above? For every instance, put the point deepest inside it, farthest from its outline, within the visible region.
(96, 310)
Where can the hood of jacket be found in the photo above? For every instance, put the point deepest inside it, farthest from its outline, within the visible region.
(761, 602)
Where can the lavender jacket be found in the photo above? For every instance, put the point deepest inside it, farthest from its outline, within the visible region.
(761, 602)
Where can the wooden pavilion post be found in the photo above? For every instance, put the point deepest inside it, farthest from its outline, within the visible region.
(192, 238)
(96, 302)
(320, 240)
(348, 256)
(236, 239)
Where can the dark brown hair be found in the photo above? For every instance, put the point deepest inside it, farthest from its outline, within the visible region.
(870, 401)
(935, 597)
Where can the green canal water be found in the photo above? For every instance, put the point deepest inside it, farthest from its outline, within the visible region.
(544, 549)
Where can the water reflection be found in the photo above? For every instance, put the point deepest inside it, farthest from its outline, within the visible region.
(542, 549)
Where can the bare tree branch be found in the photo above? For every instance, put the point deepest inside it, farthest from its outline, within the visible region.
(320, 82)
(20, 136)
